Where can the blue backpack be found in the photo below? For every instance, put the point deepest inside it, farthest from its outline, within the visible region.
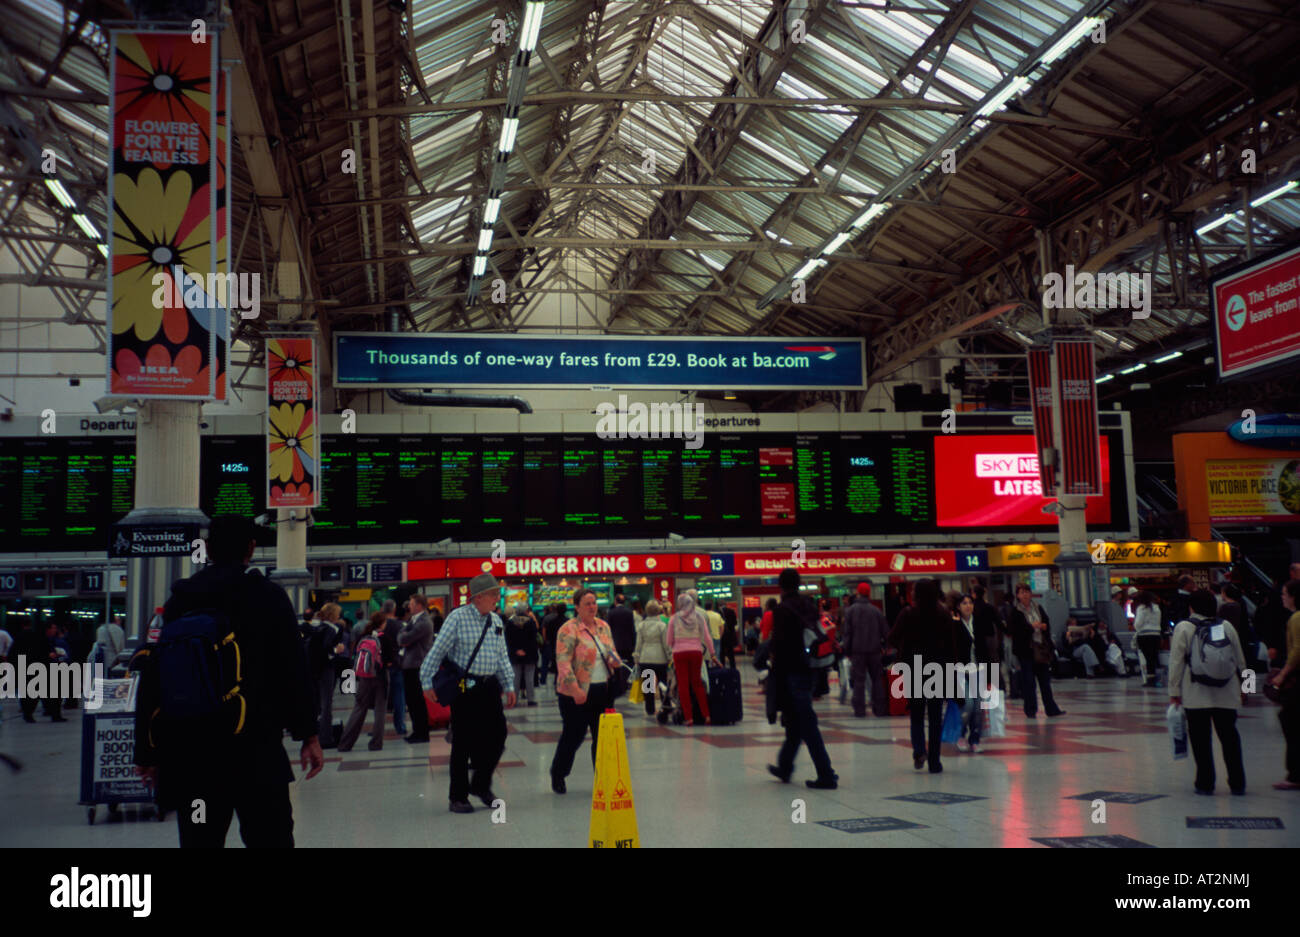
(200, 673)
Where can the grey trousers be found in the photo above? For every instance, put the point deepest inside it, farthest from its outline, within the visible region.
(372, 693)
(524, 673)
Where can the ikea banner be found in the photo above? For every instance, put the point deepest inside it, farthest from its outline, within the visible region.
(442, 359)
(166, 245)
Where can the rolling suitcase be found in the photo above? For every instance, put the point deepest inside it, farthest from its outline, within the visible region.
(725, 707)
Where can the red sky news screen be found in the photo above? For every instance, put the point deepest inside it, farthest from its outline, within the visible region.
(992, 481)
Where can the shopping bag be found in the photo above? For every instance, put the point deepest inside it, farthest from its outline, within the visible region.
(952, 723)
(1176, 719)
(704, 674)
(1115, 657)
(997, 716)
(635, 695)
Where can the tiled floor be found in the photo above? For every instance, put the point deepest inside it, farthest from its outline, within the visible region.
(710, 787)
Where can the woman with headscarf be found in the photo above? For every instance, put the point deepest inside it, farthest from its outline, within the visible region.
(688, 635)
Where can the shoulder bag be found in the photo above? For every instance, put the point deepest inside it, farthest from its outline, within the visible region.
(617, 675)
(449, 681)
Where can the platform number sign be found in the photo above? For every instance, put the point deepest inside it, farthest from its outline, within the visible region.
(722, 564)
(92, 582)
(8, 583)
(358, 572)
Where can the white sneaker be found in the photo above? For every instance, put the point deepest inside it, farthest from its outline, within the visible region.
(974, 749)
(963, 745)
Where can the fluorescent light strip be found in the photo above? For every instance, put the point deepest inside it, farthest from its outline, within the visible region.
(1135, 368)
(836, 243)
(484, 239)
(532, 26)
(1281, 190)
(1014, 87)
(1169, 357)
(808, 268)
(103, 249)
(1104, 378)
(60, 193)
(1218, 222)
(865, 218)
(480, 264)
(491, 210)
(509, 128)
(84, 224)
(1066, 42)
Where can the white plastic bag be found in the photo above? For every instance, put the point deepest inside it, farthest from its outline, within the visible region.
(1115, 657)
(1176, 719)
(997, 716)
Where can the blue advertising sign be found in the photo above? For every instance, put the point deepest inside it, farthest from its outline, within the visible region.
(442, 359)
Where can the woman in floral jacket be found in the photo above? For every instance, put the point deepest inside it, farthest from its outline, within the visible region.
(584, 654)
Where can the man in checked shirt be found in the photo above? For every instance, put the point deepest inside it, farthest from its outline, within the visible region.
(478, 722)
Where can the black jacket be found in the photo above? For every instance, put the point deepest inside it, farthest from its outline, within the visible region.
(622, 626)
(275, 682)
(792, 616)
(521, 635)
(551, 624)
(1180, 608)
(924, 632)
(1022, 633)
(388, 642)
(982, 640)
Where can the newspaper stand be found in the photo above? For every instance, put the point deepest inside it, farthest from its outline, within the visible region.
(107, 750)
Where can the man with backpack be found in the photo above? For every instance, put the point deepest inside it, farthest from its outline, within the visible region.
(213, 747)
(1205, 664)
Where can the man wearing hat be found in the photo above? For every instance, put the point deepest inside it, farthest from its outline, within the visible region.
(242, 769)
(473, 637)
(865, 630)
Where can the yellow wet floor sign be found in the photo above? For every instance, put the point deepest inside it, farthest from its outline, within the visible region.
(613, 817)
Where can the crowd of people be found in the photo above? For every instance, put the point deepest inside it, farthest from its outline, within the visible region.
(293, 665)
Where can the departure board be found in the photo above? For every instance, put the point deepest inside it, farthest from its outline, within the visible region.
(884, 483)
(61, 493)
(233, 480)
(541, 479)
(776, 487)
(376, 486)
(814, 480)
(580, 472)
(699, 488)
(738, 475)
(659, 465)
(502, 460)
(460, 471)
(416, 509)
(335, 519)
(621, 493)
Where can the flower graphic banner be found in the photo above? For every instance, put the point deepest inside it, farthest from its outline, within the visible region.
(166, 249)
(293, 445)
